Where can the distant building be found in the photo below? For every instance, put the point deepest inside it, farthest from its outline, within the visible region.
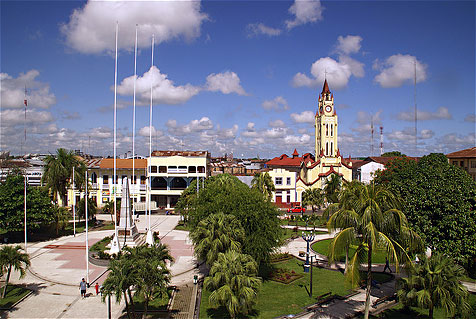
(364, 170)
(465, 159)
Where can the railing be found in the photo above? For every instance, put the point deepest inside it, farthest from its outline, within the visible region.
(177, 170)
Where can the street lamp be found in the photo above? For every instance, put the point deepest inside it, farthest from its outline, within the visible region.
(310, 280)
(307, 237)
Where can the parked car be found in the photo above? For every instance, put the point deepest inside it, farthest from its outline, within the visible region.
(296, 209)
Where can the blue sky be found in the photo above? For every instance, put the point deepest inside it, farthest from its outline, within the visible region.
(240, 77)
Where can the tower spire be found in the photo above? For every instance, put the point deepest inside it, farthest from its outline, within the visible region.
(325, 88)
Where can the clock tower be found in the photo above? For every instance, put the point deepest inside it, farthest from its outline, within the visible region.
(326, 125)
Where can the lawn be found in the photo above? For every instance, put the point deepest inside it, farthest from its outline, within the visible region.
(101, 245)
(318, 223)
(276, 299)
(322, 246)
(158, 303)
(14, 293)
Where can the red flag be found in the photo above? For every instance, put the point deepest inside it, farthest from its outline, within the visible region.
(25, 102)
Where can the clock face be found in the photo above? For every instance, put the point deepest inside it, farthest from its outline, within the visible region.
(328, 108)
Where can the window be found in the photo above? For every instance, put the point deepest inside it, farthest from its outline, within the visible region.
(153, 169)
(105, 179)
(134, 179)
(143, 180)
(455, 162)
(461, 164)
(142, 199)
(332, 148)
(94, 178)
(162, 169)
(473, 164)
(122, 178)
(327, 148)
(288, 180)
(201, 169)
(278, 180)
(327, 129)
(192, 169)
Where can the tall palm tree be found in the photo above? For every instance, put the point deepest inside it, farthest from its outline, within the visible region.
(59, 170)
(434, 282)
(264, 183)
(332, 188)
(13, 258)
(216, 234)
(313, 197)
(234, 283)
(368, 216)
(122, 275)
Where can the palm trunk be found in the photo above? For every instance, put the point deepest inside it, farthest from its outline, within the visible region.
(127, 306)
(369, 280)
(132, 302)
(146, 305)
(346, 258)
(430, 314)
(6, 282)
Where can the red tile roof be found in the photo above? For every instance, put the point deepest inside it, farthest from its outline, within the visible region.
(469, 152)
(284, 160)
(295, 153)
(180, 153)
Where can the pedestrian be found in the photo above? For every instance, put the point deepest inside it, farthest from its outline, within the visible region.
(97, 289)
(387, 265)
(82, 287)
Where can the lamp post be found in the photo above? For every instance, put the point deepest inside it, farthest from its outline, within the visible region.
(307, 237)
(310, 283)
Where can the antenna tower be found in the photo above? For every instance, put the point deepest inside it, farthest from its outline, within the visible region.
(371, 135)
(381, 140)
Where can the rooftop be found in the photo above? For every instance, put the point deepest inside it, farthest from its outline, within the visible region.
(181, 153)
(469, 152)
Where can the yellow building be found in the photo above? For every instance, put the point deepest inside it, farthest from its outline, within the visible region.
(465, 159)
(312, 172)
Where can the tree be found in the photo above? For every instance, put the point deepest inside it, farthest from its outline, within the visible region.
(61, 218)
(216, 234)
(59, 171)
(12, 258)
(392, 154)
(368, 216)
(39, 208)
(108, 208)
(264, 183)
(228, 195)
(81, 208)
(234, 283)
(332, 188)
(434, 282)
(439, 200)
(313, 197)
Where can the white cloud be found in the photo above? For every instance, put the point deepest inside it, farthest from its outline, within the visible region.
(146, 131)
(303, 117)
(348, 44)
(16, 117)
(304, 11)
(277, 123)
(250, 130)
(226, 133)
(408, 135)
(279, 103)
(13, 91)
(426, 134)
(275, 133)
(101, 132)
(193, 126)
(441, 114)
(470, 118)
(256, 29)
(91, 28)
(398, 69)
(338, 72)
(227, 82)
(297, 140)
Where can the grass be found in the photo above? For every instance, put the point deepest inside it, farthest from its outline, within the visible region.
(14, 293)
(322, 247)
(101, 245)
(182, 226)
(157, 303)
(276, 299)
(310, 224)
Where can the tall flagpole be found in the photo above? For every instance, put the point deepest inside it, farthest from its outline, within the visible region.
(87, 217)
(134, 199)
(24, 199)
(149, 239)
(74, 208)
(115, 241)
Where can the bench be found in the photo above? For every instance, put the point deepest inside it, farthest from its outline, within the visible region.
(382, 300)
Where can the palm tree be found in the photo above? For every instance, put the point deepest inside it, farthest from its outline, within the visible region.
(59, 170)
(264, 183)
(234, 283)
(12, 258)
(122, 275)
(435, 283)
(368, 217)
(216, 234)
(332, 188)
(313, 197)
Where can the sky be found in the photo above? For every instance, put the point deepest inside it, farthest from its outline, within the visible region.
(237, 76)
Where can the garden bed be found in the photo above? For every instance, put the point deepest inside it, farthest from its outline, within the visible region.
(14, 295)
(284, 276)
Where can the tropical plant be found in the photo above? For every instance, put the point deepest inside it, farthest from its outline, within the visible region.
(368, 217)
(61, 217)
(216, 234)
(434, 282)
(234, 283)
(313, 197)
(13, 258)
(264, 183)
(81, 208)
(58, 173)
(332, 188)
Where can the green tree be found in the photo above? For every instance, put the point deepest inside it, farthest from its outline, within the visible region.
(61, 218)
(216, 234)
(264, 183)
(228, 195)
(58, 173)
(369, 217)
(234, 283)
(81, 208)
(39, 207)
(392, 154)
(313, 197)
(435, 283)
(332, 188)
(13, 258)
(439, 200)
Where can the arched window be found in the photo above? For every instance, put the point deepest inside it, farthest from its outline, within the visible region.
(332, 129)
(332, 148)
(327, 129)
(327, 148)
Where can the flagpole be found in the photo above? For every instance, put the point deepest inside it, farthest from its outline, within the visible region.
(24, 199)
(149, 239)
(87, 217)
(74, 208)
(134, 199)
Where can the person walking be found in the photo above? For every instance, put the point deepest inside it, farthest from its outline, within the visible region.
(82, 286)
(387, 265)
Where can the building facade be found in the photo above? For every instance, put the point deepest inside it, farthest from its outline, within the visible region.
(465, 159)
